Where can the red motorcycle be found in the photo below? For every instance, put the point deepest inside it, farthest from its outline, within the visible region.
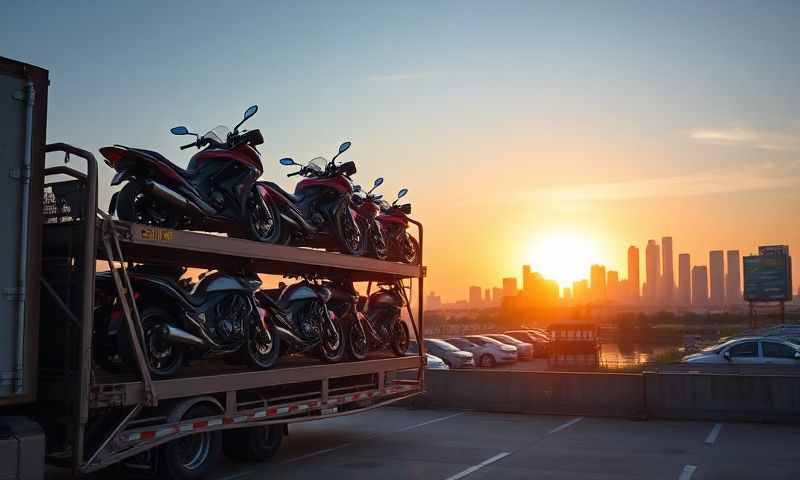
(217, 192)
(367, 206)
(402, 247)
(320, 212)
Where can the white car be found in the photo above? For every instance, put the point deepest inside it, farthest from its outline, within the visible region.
(487, 351)
(749, 351)
(432, 362)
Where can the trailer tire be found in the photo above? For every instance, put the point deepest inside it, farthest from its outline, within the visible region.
(255, 444)
(193, 456)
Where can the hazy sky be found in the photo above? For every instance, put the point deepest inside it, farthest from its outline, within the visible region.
(614, 122)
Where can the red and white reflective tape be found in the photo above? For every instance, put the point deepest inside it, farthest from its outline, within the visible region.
(257, 415)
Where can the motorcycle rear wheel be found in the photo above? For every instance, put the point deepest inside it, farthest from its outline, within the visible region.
(134, 205)
(163, 360)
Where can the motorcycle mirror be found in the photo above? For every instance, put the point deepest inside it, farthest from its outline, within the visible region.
(378, 182)
(402, 193)
(179, 130)
(247, 114)
(287, 161)
(342, 148)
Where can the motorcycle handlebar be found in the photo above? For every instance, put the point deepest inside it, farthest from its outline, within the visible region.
(188, 145)
(293, 174)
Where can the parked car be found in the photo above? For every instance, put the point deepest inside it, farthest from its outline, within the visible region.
(541, 346)
(432, 362)
(540, 332)
(452, 356)
(524, 349)
(749, 351)
(488, 351)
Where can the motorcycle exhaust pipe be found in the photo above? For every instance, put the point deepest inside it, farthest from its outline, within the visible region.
(176, 335)
(287, 335)
(171, 196)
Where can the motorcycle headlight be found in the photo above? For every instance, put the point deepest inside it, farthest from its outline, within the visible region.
(325, 294)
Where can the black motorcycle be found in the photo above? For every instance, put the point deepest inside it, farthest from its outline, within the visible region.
(367, 206)
(320, 211)
(373, 322)
(217, 192)
(218, 316)
(303, 321)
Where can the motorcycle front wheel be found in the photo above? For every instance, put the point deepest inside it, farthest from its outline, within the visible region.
(332, 341)
(410, 250)
(264, 221)
(357, 341)
(263, 347)
(135, 205)
(400, 338)
(353, 239)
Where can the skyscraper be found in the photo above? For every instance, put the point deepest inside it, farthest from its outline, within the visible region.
(684, 280)
(699, 286)
(526, 279)
(667, 277)
(633, 273)
(652, 271)
(580, 291)
(598, 276)
(567, 295)
(497, 295)
(733, 278)
(716, 270)
(612, 285)
(510, 287)
(487, 299)
(475, 296)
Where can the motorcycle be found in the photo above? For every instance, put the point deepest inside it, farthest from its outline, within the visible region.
(373, 322)
(219, 316)
(303, 321)
(367, 206)
(320, 212)
(217, 192)
(401, 246)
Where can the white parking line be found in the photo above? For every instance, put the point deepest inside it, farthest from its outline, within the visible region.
(404, 429)
(318, 452)
(565, 425)
(712, 436)
(688, 471)
(477, 467)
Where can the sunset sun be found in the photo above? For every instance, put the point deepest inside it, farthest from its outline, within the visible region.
(563, 256)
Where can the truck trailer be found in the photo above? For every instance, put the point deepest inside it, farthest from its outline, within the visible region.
(59, 408)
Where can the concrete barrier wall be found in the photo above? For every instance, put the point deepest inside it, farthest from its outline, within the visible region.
(656, 395)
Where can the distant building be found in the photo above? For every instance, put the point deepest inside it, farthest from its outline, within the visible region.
(527, 279)
(433, 301)
(567, 296)
(633, 273)
(487, 299)
(475, 296)
(613, 289)
(510, 287)
(652, 271)
(733, 279)
(716, 270)
(497, 295)
(580, 292)
(684, 280)
(667, 276)
(598, 276)
(700, 286)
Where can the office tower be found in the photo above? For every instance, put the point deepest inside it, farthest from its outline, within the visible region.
(526, 279)
(684, 280)
(433, 301)
(716, 272)
(510, 287)
(733, 283)
(598, 276)
(580, 291)
(633, 273)
(699, 286)
(567, 295)
(475, 296)
(652, 271)
(497, 295)
(667, 276)
(613, 287)
(487, 299)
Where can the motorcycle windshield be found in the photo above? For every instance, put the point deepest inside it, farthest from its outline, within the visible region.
(218, 134)
(318, 164)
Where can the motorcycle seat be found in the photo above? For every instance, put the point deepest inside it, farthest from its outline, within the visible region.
(290, 196)
(162, 159)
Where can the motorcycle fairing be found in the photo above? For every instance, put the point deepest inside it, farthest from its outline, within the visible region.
(243, 153)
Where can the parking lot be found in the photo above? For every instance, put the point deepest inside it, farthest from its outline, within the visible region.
(399, 443)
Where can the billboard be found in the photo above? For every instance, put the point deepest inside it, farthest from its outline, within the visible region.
(767, 277)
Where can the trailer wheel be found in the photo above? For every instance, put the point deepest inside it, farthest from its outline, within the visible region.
(191, 457)
(256, 444)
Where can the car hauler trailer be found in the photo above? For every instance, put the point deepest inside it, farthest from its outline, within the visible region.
(175, 427)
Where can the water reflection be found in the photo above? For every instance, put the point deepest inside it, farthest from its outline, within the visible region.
(609, 356)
